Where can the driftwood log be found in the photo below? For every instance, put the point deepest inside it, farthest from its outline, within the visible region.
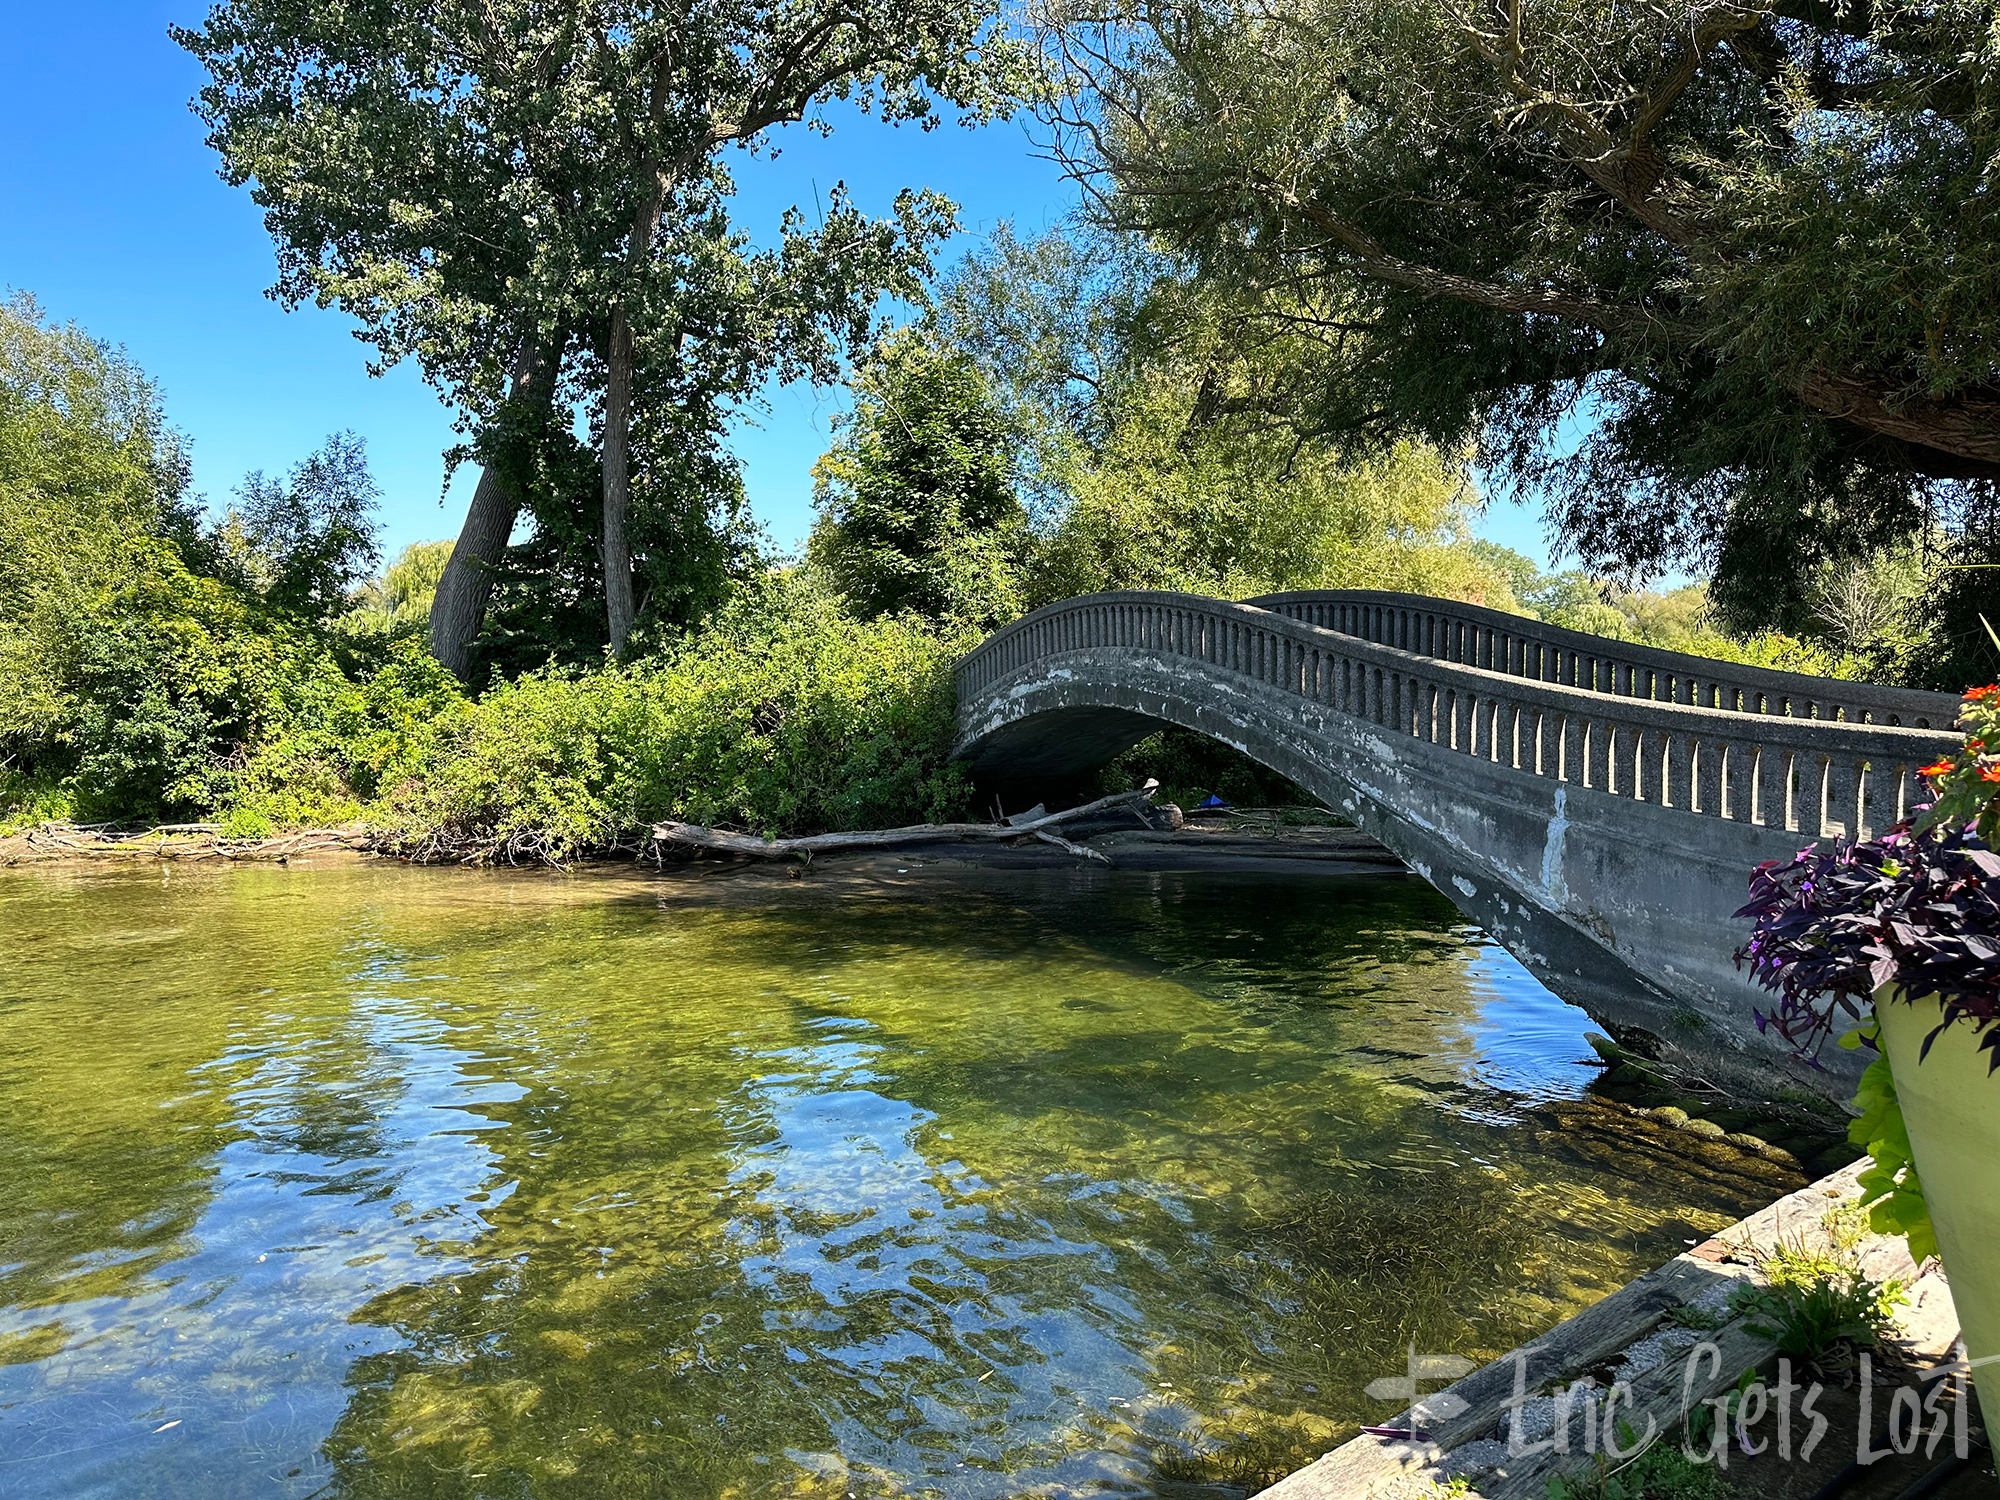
(695, 836)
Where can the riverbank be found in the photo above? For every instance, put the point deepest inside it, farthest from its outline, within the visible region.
(1273, 841)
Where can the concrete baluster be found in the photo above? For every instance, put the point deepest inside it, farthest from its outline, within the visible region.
(1629, 771)
(1507, 733)
(1571, 763)
(1843, 797)
(1677, 778)
(1739, 781)
(1548, 743)
(1881, 797)
(1596, 752)
(1809, 770)
(1707, 756)
(1776, 807)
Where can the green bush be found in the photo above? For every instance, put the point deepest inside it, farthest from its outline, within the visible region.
(781, 715)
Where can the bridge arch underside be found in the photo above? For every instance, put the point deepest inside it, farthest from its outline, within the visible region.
(1621, 907)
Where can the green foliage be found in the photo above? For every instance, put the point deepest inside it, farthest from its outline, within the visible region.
(131, 684)
(1890, 1189)
(1662, 1472)
(1746, 255)
(1688, 1316)
(1818, 1304)
(303, 544)
(782, 714)
(456, 178)
(473, 184)
(1682, 619)
(1191, 768)
(1968, 783)
(1141, 398)
(916, 502)
(689, 528)
(152, 669)
(400, 599)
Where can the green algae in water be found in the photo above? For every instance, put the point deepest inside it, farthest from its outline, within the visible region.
(367, 1181)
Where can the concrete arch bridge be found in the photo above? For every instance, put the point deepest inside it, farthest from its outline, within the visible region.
(1593, 804)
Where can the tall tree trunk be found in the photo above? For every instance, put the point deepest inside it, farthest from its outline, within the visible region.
(616, 548)
(459, 606)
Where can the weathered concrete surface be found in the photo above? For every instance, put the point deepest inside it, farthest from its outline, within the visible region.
(1620, 905)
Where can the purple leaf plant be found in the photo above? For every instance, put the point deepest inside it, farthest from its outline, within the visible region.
(1920, 909)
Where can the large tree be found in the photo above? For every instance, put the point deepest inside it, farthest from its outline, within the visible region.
(1724, 277)
(916, 500)
(531, 198)
(1148, 407)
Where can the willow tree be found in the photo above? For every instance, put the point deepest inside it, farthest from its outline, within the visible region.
(531, 198)
(1147, 413)
(1751, 250)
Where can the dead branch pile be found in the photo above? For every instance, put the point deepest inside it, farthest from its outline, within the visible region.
(179, 841)
(695, 836)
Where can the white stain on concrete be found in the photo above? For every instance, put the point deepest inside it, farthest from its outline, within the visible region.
(1465, 885)
(1552, 851)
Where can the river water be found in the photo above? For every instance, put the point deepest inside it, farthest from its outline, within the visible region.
(365, 1180)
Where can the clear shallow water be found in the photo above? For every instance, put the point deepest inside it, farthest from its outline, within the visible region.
(364, 1180)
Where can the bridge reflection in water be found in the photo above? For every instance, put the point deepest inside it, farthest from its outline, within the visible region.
(1595, 805)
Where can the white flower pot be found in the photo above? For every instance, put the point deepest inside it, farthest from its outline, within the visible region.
(1952, 1109)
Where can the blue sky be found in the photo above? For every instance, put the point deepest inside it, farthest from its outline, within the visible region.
(117, 221)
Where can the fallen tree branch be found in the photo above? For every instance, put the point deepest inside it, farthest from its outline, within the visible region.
(1082, 851)
(695, 836)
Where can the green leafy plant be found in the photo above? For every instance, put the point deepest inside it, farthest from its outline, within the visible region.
(1818, 1306)
(1662, 1472)
(782, 715)
(1890, 1189)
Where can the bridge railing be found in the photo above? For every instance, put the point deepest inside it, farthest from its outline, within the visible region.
(1818, 776)
(1519, 647)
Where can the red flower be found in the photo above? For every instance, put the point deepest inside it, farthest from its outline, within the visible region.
(1991, 690)
(1991, 773)
(1942, 768)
